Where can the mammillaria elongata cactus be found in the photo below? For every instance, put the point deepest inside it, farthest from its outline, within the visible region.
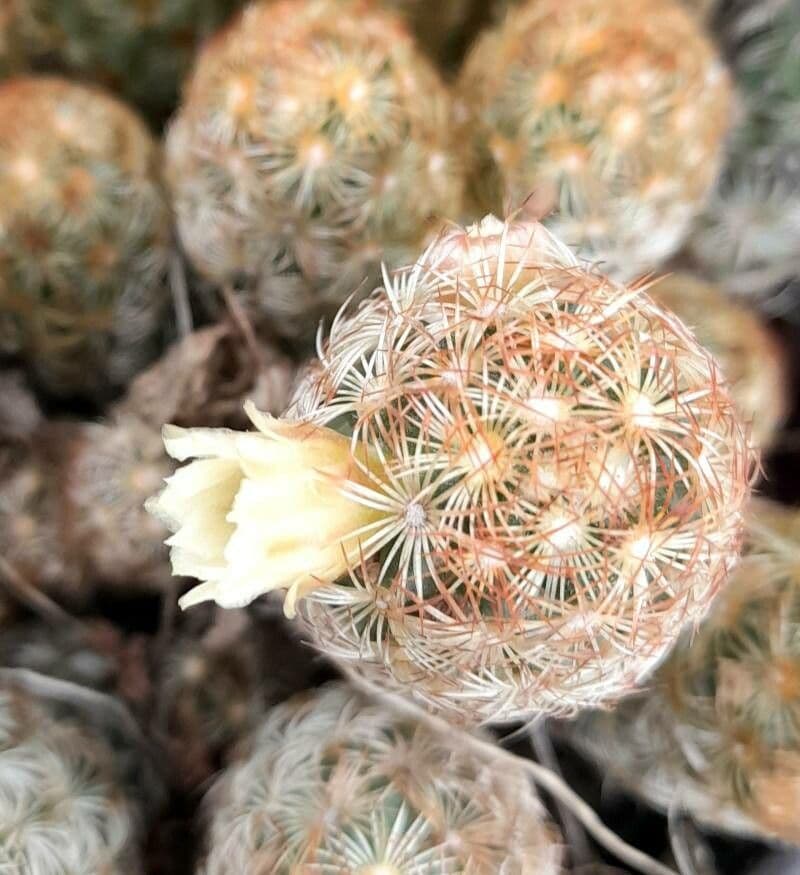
(312, 143)
(719, 732)
(61, 807)
(506, 486)
(613, 121)
(750, 357)
(338, 784)
(84, 234)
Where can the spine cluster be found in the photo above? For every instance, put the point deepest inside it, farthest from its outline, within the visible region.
(719, 730)
(610, 124)
(335, 783)
(85, 234)
(313, 143)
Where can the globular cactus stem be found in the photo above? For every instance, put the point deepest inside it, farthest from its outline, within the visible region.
(336, 783)
(62, 808)
(609, 124)
(506, 486)
(718, 730)
(85, 234)
(313, 142)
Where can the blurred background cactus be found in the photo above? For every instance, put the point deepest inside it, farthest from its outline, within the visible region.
(750, 355)
(337, 783)
(750, 235)
(313, 142)
(85, 234)
(623, 145)
(141, 49)
(62, 807)
(718, 733)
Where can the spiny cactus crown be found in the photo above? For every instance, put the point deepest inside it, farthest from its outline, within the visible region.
(313, 142)
(613, 121)
(561, 477)
(720, 731)
(337, 784)
(60, 808)
(84, 233)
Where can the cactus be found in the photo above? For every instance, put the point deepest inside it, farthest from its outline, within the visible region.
(718, 731)
(61, 806)
(84, 234)
(312, 143)
(30, 535)
(748, 354)
(336, 783)
(750, 235)
(112, 469)
(507, 485)
(71, 507)
(142, 50)
(614, 121)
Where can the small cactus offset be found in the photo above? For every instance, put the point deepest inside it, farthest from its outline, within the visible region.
(71, 507)
(110, 471)
(337, 784)
(141, 50)
(750, 234)
(719, 731)
(61, 806)
(312, 144)
(750, 357)
(611, 120)
(506, 486)
(84, 234)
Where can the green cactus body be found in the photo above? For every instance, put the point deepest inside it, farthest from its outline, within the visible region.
(141, 49)
(719, 731)
(337, 784)
(61, 806)
(312, 143)
(750, 235)
(84, 235)
(608, 124)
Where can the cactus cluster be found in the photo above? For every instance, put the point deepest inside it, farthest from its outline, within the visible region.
(612, 121)
(719, 731)
(507, 485)
(61, 806)
(84, 235)
(750, 234)
(313, 142)
(750, 357)
(338, 784)
(141, 50)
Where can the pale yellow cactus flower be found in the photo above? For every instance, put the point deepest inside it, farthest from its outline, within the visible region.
(284, 507)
